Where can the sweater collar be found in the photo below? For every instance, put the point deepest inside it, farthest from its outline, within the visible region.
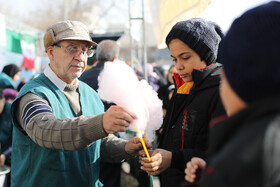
(55, 79)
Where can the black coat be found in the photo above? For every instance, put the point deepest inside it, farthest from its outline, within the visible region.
(244, 149)
(191, 112)
(90, 76)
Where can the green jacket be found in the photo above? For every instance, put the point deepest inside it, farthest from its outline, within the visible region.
(33, 165)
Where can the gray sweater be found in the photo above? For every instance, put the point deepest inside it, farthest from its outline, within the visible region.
(70, 133)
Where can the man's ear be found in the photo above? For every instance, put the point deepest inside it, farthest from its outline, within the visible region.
(50, 52)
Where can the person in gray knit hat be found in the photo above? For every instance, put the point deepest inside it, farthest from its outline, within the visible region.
(59, 121)
(244, 149)
(193, 45)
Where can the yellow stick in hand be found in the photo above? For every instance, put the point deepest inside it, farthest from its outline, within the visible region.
(144, 145)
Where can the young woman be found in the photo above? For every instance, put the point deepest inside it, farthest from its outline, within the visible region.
(193, 45)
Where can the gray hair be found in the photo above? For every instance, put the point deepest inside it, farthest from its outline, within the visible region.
(107, 50)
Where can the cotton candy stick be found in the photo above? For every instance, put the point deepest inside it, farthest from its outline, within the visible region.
(143, 144)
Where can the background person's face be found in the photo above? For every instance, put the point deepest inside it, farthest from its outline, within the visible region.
(170, 74)
(66, 66)
(16, 77)
(185, 59)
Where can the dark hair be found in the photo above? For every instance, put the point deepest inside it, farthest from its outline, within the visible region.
(11, 70)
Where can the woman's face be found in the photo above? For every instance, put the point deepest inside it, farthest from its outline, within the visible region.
(185, 59)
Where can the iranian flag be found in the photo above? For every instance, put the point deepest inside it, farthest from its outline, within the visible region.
(22, 44)
(28, 51)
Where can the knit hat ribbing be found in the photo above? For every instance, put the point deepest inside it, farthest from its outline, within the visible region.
(200, 35)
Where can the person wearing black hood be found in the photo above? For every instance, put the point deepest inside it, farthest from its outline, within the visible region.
(9, 75)
(244, 149)
(193, 45)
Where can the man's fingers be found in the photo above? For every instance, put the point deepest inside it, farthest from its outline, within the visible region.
(122, 123)
(125, 114)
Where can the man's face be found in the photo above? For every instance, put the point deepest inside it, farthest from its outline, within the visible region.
(68, 66)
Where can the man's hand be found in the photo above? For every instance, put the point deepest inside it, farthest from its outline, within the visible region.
(2, 160)
(134, 146)
(160, 161)
(116, 119)
(194, 169)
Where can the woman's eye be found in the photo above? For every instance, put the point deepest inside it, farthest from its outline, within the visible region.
(174, 60)
(186, 58)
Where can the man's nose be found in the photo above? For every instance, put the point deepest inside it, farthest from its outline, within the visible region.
(81, 55)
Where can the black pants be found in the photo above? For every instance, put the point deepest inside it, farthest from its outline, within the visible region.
(110, 174)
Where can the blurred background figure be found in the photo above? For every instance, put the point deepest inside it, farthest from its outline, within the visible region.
(153, 79)
(152, 76)
(165, 92)
(6, 130)
(10, 94)
(106, 51)
(9, 76)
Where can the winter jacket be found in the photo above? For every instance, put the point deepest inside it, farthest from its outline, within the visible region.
(244, 149)
(185, 127)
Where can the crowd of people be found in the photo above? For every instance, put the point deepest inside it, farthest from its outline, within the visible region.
(220, 104)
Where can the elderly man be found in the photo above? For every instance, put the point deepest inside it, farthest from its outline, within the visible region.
(59, 120)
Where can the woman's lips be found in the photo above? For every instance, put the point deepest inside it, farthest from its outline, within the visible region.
(184, 75)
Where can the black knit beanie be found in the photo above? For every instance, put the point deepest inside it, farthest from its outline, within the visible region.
(200, 35)
(250, 53)
(11, 70)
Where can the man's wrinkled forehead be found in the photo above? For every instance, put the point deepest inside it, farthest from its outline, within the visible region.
(74, 43)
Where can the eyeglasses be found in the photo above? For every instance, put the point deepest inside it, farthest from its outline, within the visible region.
(75, 51)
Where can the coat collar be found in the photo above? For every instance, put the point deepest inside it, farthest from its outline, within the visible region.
(199, 75)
